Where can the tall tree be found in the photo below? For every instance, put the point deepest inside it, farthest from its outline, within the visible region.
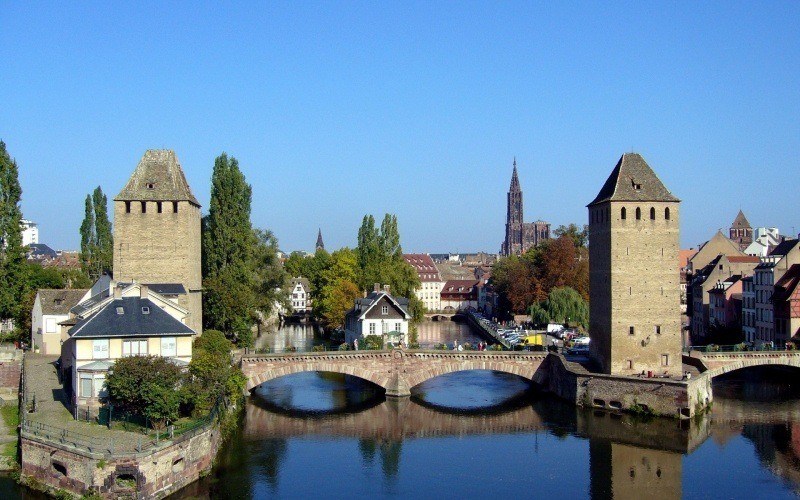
(229, 301)
(102, 231)
(13, 269)
(269, 275)
(97, 241)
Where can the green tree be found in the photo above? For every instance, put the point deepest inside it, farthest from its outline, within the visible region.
(565, 305)
(296, 265)
(13, 268)
(146, 386)
(211, 372)
(229, 301)
(336, 299)
(578, 235)
(270, 278)
(539, 315)
(97, 241)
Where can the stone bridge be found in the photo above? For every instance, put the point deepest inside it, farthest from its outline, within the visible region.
(718, 363)
(397, 370)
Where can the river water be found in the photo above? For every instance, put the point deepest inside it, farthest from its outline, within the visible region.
(480, 434)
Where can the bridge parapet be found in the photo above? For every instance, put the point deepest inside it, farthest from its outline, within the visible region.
(719, 363)
(396, 370)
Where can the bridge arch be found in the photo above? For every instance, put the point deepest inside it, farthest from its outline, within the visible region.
(417, 377)
(721, 366)
(275, 372)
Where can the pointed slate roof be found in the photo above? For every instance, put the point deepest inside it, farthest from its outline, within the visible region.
(740, 222)
(514, 179)
(633, 180)
(158, 177)
(129, 317)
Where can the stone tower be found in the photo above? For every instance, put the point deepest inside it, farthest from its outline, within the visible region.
(634, 292)
(514, 220)
(741, 232)
(157, 231)
(320, 243)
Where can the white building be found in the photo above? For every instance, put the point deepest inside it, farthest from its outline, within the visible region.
(300, 295)
(30, 232)
(379, 313)
(764, 240)
(431, 284)
(50, 308)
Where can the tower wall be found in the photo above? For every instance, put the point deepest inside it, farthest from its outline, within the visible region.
(634, 283)
(152, 247)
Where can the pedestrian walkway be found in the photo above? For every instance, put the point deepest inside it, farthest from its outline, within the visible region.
(44, 392)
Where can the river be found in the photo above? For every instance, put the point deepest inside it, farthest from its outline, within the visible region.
(485, 434)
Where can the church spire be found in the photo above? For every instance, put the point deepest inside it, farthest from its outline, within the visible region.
(514, 179)
(320, 244)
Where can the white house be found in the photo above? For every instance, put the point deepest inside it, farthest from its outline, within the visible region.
(764, 240)
(379, 313)
(300, 295)
(50, 308)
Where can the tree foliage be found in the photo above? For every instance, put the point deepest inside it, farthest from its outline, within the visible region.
(566, 306)
(211, 374)
(241, 272)
(13, 268)
(97, 240)
(147, 386)
(579, 235)
(528, 279)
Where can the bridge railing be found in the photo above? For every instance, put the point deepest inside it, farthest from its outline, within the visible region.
(328, 348)
(736, 349)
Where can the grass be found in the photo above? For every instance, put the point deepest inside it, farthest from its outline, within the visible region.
(10, 414)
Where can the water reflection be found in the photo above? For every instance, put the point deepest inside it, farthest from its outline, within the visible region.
(484, 434)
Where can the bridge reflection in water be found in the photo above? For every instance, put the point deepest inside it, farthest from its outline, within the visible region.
(287, 431)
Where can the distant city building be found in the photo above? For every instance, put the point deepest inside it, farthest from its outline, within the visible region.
(765, 239)
(748, 309)
(740, 232)
(725, 307)
(460, 295)
(40, 252)
(320, 243)
(520, 236)
(767, 274)
(300, 295)
(786, 301)
(379, 313)
(430, 281)
(634, 317)
(30, 232)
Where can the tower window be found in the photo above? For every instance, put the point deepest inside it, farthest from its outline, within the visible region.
(666, 213)
(658, 329)
(652, 213)
(631, 330)
(174, 207)
(144, 207)
(127, 207)
(150, 185)
(623, 213)
(638, 213)
(158, 206)
(665, 360)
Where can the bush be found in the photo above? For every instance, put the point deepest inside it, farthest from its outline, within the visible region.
(146, 386)
(344, 346)
(371, 342)
(440, 347)
(468, 347)
(413, 345)
(495, 347)
(319, 348)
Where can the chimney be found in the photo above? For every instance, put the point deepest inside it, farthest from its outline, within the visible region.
(117, 292)
(376, 287)
(386, 288)
(144, 291)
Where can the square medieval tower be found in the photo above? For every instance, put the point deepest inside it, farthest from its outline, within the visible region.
(157, 232)
(634, 319)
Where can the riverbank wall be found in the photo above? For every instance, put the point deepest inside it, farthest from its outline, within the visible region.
(656, 396)
(486, 332)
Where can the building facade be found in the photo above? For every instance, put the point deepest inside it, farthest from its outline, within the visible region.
(430, 288)
(520, 236)
(51, 307)
(634, 283)
(300, 295)
(786, 301)
(748, 310)
(30, 232)
(767, 274)
(381, 314)
(157, 231)
(460, 295)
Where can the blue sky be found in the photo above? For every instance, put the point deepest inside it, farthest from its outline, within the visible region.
(337, 109)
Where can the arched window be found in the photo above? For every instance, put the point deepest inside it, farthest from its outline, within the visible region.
(652, 213)
(638, 213)
(622, 213)
(666, 213)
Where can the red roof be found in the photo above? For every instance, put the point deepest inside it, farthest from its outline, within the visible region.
(747, 259)
(454, 288)
(684, 256)
(423, 264)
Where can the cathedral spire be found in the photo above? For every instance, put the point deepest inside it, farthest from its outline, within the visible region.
(514, 179)
(320, 244)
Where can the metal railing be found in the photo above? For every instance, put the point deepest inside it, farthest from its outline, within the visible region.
(737, 349)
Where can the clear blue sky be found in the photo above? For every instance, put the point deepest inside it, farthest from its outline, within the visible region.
(337, 109)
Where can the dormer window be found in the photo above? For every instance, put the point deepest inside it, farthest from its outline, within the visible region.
(145, 310)
(636, 185)
(151, 185)
(120, 310)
